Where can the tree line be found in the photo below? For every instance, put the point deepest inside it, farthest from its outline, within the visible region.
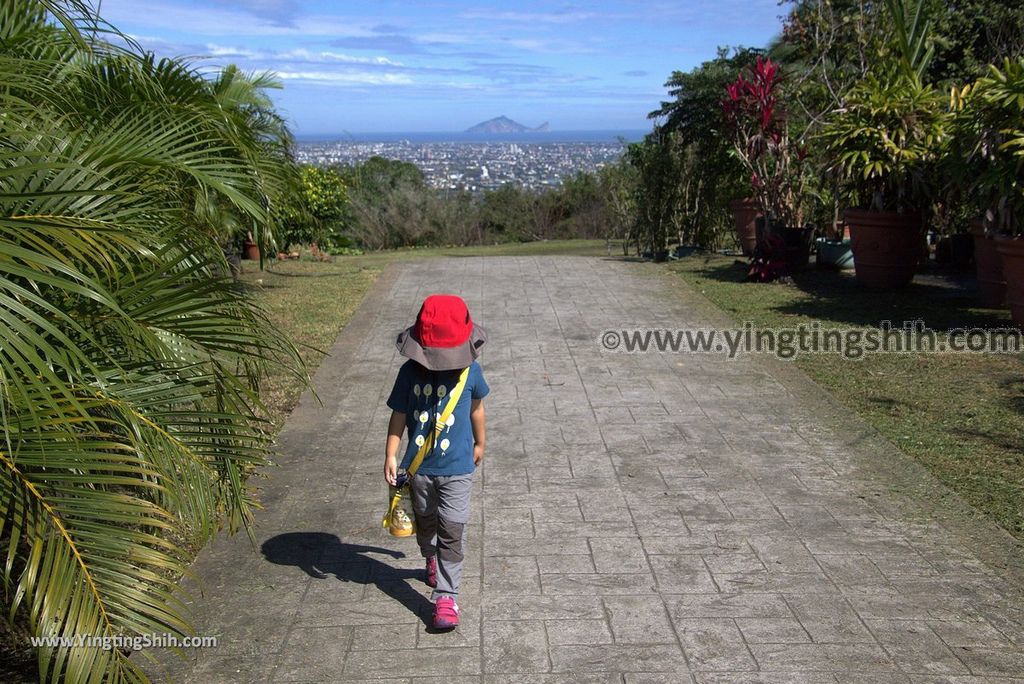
(387, 204)
(841, 73)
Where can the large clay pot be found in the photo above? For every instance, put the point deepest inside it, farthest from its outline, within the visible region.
(1012, 252)
(955, 251)
(251, 250)
(989, 265)
(796, 243)
(886, 247)
(744, 214)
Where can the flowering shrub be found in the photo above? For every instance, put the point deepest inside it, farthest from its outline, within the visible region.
(761, 140)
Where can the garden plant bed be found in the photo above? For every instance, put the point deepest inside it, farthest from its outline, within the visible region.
(960, 415)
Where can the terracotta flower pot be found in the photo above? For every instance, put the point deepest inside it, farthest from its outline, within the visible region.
(793, 245)
(744, 215)
(1012, 252)
(886, 247)
(989, 265)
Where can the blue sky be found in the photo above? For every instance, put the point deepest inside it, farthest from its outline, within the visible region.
(444, 66)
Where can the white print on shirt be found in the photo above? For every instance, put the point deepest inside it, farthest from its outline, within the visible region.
(423, 394)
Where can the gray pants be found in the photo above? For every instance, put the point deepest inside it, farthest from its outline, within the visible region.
(441, 504)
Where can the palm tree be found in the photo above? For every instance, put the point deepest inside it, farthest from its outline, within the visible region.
(129, 365)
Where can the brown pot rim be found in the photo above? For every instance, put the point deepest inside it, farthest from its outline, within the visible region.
(874, 212)
(884, 219)
(977, 227)
(743, 202)
(1010, 245)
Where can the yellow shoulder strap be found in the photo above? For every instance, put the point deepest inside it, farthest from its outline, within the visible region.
(428, 443)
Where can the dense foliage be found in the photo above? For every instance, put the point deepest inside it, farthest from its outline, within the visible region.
(129, 359)
(989, 146)
(866, 119)
(386, 204)
(708, 173)
(760, 127)
(315, 209)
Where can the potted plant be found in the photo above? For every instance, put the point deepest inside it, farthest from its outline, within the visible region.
(762, 142)
(885, 143)
(745, 213)
(834, 253)
(988, 265)
(833, 249)
(990, 165)
(251, 249)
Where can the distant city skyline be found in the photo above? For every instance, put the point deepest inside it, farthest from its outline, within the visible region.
(445, 66)
(474, 166)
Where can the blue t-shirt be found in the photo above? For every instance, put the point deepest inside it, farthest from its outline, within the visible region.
(422, 395)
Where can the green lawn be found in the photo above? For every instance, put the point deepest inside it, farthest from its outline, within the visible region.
(961, 416)
(311, 301)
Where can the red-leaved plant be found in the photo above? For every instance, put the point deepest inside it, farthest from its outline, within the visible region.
(761, 140)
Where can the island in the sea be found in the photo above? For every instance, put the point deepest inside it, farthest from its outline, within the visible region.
(503, 124)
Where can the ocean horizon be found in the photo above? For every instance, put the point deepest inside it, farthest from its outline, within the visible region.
(531, 137)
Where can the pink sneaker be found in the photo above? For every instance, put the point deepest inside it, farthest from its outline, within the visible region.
(432, 571)
(446, 613)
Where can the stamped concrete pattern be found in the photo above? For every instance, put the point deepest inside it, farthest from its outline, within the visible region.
(638, 517)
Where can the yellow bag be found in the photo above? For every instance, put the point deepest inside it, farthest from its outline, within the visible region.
(400, 518)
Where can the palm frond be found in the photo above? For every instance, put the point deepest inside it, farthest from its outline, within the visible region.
(129, 363)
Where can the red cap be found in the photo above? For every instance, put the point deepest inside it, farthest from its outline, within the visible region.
(443, 321)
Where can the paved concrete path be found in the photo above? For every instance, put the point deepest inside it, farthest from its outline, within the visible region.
(638, 518)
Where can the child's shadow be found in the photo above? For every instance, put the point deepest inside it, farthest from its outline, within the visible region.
(320, 553)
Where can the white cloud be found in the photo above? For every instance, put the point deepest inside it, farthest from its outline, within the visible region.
(223, 51)
(557, 47)
(215, 21)
(529, 17)
(328, 56)
(345, 78)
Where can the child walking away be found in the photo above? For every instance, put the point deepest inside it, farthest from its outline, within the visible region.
(442, 348)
